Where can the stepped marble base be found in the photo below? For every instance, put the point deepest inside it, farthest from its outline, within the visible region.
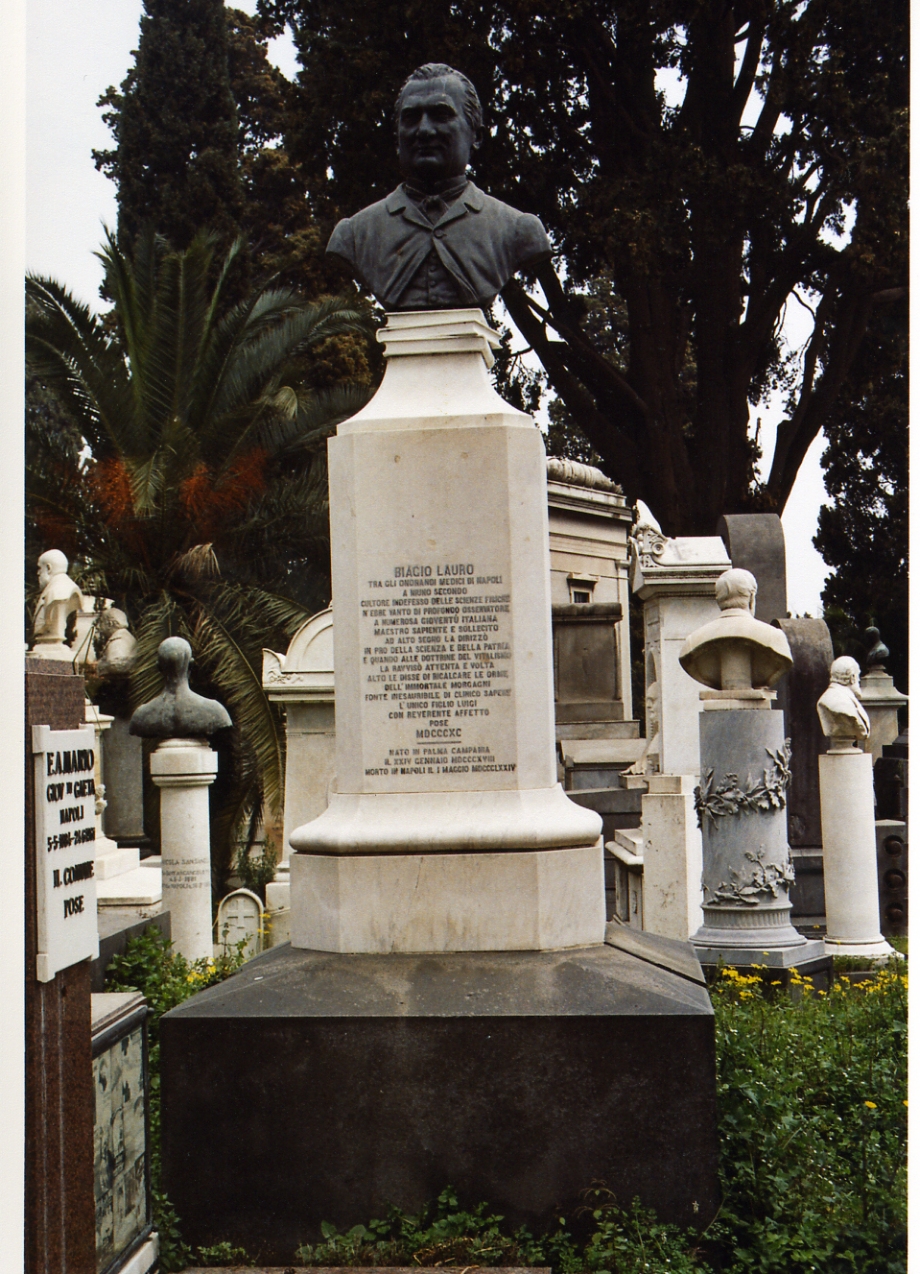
(527, 901)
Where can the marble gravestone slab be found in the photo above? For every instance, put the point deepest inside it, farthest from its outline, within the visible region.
(65, 829)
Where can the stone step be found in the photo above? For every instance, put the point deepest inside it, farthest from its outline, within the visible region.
(116, 862)
(138, 888)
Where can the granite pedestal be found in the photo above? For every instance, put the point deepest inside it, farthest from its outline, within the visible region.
(316, 1086)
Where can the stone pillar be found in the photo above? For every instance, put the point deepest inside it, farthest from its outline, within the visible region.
(448, 830)
(675, 580)
(747, 869)
(850, 870)
(183, 770)
(672, 858)
(744, 776)
(848, 819)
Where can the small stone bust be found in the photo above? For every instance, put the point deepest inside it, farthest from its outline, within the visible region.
(437, 242)
(878, 651)
(60, 597)
(178, 713)
(118, 647)
(843, 718)
(736, 652)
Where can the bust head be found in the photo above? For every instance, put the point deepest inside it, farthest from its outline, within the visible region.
(53, 562)
(174, 657)
(736, 589)
(845, 672)
(438, 125)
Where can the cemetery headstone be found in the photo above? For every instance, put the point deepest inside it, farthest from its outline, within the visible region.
(59, 1088)
(797, 697)
(183, 767)
(848, 820)
(756, 543)
(240, 919)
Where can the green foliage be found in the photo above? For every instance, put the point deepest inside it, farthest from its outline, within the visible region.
(175, 128)
(443, 1234)
(813, 1125)
(256, 872)
(863, 534)
(204, 496)
(166, 978)
(222, 1254)
(632, 1241)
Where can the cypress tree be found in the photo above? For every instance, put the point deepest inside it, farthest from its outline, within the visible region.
(175, 126)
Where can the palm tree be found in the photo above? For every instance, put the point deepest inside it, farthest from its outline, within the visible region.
(196, 493)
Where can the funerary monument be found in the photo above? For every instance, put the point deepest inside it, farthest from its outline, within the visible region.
(451, 1008)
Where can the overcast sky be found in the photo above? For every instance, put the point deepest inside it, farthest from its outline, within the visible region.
(74, 52)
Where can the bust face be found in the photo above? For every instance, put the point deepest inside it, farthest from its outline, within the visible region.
(433, 134)
(44, 572)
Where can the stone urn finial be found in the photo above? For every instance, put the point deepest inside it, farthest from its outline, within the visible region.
(736, 653)
(843, 718)
(178, 713)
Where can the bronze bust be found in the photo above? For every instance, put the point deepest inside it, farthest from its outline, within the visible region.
(437, 242)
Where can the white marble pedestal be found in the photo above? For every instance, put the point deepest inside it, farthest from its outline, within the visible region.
(445, 764)
(183, 770)
(850, 871)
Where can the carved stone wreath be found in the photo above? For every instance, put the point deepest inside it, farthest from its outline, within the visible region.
(764, 878)
(715, 800)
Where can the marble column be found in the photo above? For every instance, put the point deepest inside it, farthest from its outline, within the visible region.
(848, 819)
(744, 777)
(183, 767)
(183, 770)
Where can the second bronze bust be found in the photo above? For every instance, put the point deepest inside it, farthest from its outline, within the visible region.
(437, 242)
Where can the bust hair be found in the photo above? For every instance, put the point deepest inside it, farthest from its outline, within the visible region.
(845, 671)
(736, 587)
(439, 71)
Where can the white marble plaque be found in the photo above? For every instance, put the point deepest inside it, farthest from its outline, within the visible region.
(65, 832)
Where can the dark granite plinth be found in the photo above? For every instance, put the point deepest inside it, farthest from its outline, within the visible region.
(315, 1086)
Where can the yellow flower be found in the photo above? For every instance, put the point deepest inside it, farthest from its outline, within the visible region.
(905, 1101)
(871, 1105)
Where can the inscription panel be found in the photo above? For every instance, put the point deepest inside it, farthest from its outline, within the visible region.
(65, 832)
(437, 672)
